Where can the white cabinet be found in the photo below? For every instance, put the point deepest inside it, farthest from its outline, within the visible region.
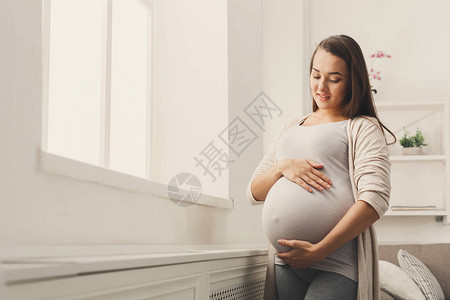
(210, 275)
(178, 282)
(420, 183)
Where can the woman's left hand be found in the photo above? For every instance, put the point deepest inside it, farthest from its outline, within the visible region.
(303, 254)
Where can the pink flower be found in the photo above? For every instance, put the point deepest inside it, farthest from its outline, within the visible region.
(375, 75)
(380, 54)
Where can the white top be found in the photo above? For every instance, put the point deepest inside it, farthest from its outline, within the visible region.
(291, 212)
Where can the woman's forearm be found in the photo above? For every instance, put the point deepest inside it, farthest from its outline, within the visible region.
(261, 184)
(357, 219)
(304, 254)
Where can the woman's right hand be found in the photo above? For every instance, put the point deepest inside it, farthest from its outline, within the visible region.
(304, 172)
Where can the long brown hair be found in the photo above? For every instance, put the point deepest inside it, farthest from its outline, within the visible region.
(359, 99)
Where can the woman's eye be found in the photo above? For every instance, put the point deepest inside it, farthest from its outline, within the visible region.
(334, 80)
(316, 77)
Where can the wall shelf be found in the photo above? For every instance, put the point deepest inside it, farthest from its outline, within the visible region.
(418, 158)
(416, 213)
(410, 106)
(419, 180)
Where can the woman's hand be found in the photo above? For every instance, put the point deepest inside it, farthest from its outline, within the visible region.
(356, 220)
(303, 254)
(303, 172)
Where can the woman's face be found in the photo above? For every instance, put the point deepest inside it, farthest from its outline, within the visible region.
(328, 80)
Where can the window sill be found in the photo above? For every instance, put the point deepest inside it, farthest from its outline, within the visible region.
(54, 164)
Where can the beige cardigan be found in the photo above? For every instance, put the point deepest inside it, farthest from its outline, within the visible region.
(370, 170)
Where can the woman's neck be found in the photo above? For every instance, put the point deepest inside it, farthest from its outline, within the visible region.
(328, 116)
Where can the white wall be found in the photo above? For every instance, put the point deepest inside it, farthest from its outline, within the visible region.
(268, 57)
(244, 84)
(415, 33)
(190, 88)
(285, 73)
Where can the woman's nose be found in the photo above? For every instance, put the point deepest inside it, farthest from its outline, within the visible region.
(322, 85)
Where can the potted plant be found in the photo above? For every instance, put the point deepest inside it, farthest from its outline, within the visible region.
(412, 144)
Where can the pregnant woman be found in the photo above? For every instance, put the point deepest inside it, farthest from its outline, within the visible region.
(324, 181)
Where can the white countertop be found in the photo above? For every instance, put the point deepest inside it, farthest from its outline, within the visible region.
(41, 268)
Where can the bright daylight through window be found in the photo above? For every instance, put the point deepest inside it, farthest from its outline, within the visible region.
(99, 75)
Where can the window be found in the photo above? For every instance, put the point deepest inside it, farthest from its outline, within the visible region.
(101, 122)
(97, 67)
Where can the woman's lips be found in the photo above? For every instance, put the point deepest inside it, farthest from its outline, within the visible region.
(323, 97)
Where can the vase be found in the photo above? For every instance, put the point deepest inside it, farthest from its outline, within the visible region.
(412, 151)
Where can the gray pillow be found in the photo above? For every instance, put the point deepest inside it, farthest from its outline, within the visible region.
(421, 275)
(395, 282)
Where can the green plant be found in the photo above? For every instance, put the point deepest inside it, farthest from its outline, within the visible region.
(412, 140)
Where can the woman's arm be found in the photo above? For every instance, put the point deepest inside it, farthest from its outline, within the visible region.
(261, 184)
(304, 254)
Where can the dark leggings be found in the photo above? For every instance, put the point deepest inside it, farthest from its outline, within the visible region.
(311, 284)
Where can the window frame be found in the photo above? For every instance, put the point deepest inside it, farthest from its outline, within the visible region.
(51, 163)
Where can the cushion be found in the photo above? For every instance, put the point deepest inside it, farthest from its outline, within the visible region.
(395, 282)
(385, 296)
(421, 275)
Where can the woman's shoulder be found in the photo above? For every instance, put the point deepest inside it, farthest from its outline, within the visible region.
(365, 122)
(362, 127)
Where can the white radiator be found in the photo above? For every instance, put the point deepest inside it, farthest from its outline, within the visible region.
(252, 290)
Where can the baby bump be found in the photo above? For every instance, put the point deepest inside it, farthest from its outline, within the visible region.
(291, 212)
